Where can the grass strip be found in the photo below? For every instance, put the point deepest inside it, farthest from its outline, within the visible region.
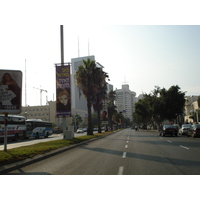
(20, 153)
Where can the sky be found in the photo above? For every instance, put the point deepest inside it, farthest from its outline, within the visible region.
(133, 40)
(143, 54)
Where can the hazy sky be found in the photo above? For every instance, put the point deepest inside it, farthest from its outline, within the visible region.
(144, 56)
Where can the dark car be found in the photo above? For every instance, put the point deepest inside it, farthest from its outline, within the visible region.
(169, 130)
(194, 131)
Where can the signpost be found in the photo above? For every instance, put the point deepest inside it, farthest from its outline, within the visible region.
(10, 96)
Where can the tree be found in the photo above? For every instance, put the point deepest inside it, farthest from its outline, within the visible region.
(101, 95)
(143, 113)
(160, 105)
(86, 77)
(111, 107)
(173, 102)
(119, 118)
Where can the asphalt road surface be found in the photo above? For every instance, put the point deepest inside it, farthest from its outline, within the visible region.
(126, 152)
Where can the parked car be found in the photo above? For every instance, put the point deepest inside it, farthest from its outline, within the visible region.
(194, 130)
(85, 129)
(184, 129)
(80, 130)
(169, 130)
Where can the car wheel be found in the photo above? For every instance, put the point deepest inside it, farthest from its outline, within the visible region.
(193, 135)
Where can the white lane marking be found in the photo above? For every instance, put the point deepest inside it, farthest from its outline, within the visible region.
(121, 169)
(126, 146)
(128, 138)
(169, 141)
(184, 147)
(160, 138)
(124, 155)
(127, 141)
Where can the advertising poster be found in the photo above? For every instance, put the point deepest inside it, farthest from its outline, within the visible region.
(63, 91)
(10, 91)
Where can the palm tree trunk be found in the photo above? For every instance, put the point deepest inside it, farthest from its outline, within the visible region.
(90, 128)
(99, 121)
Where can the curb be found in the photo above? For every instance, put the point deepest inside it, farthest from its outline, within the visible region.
(10, 167)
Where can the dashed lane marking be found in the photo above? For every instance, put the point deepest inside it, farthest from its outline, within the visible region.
(124, 155)
(169, 141)
(126, 146)
(121, 169)
(184, 147)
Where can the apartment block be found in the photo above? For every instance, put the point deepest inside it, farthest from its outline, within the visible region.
(125, 101)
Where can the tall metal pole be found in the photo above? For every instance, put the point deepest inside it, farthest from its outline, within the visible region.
(5, 131)
(62, 63)
(62, 44)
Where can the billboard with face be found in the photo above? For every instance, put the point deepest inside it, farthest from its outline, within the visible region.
(10, 91)
(63, 91)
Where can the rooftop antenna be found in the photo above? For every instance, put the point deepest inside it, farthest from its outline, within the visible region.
(88, 47)
(78, 48)
(125, 82)
(25, 86)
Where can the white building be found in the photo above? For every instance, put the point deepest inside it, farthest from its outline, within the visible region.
(125, 101)
(79, 103)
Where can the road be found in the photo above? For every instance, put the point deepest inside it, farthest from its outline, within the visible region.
(126, 152)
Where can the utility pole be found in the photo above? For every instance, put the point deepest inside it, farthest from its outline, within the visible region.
(62, 44)
(62, 63)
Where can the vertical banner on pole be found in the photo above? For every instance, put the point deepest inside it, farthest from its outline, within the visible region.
(63, 90)
(10, 91)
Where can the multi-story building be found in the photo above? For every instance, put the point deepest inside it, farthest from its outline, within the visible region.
(45, 112)
(125, 101)
(191, 109)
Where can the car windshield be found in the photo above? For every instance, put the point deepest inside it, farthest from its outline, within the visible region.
(170, 126)
(186, 125)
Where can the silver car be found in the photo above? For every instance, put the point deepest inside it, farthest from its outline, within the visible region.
(184, 129)
(80, 130)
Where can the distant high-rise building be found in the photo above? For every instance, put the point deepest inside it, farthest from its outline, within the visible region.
(125, 101)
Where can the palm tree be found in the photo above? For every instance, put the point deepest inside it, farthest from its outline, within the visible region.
(86, 76)
(101, 94)
(111, 107)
